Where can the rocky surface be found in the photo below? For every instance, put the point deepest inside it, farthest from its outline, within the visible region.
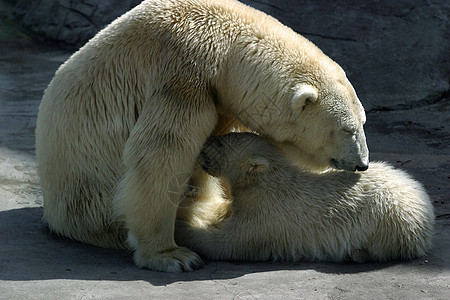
(403, 127)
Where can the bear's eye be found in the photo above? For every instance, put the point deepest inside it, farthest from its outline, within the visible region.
(349, 131)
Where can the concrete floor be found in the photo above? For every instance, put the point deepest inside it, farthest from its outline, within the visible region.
(37, 265)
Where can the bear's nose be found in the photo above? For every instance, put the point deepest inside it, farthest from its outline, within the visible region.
(362, 168)
(204, 156)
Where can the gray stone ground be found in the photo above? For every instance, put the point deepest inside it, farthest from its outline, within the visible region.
(37, 265)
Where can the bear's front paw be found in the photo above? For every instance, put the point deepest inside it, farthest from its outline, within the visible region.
(177, 259)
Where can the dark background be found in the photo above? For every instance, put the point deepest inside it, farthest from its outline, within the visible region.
(396, 53)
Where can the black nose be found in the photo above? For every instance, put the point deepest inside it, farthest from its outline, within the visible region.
(203, 155)
(362, 168)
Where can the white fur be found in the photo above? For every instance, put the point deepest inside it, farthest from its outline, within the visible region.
(303, 93)
(128, 113)
(282, 213)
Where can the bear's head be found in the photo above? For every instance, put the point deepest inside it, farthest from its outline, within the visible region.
(290, 92)
(325, 127)
(241, 158)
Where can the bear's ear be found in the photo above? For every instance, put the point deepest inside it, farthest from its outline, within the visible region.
(257, 165)
(303, 94)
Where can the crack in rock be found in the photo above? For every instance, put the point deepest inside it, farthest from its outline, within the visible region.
(428, 100)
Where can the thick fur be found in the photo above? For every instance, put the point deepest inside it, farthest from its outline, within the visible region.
(279, 212)
(124, 118)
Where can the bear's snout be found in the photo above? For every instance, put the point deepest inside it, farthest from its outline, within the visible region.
(362, 168)
(208, 162)
(211, 155)
(205, 161)
(347, 166)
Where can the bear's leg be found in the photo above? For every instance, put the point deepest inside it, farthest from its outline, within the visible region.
(159, 157)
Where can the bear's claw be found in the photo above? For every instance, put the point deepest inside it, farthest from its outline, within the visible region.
(178, 259)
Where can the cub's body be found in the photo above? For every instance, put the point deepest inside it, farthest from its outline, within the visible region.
(279, 212)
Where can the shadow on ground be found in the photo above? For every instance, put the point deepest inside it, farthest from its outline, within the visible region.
(30, 252)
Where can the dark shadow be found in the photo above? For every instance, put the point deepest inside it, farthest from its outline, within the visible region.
(29, 251)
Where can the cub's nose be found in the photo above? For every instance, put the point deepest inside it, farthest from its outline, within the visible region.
(204, 158)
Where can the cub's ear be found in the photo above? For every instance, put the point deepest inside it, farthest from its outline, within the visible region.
(257, 165)
(303, 94)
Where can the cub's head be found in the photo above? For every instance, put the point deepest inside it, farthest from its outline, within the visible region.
(241, 158)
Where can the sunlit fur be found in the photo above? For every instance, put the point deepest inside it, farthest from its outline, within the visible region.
(279, 212)
(128, 113)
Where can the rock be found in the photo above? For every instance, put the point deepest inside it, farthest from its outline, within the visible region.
(396, 53)
(69, 21)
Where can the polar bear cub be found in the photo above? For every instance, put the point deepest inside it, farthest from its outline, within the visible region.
(279, 212)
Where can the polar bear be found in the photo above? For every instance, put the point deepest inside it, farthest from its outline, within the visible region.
(279, 212)
(124, 118)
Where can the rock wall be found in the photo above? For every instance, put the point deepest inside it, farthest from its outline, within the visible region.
(396, 53)
(72, 22)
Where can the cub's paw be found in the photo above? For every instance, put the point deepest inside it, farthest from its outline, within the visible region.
(177, 259)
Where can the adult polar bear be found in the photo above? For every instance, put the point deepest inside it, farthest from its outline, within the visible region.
(132, 108)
